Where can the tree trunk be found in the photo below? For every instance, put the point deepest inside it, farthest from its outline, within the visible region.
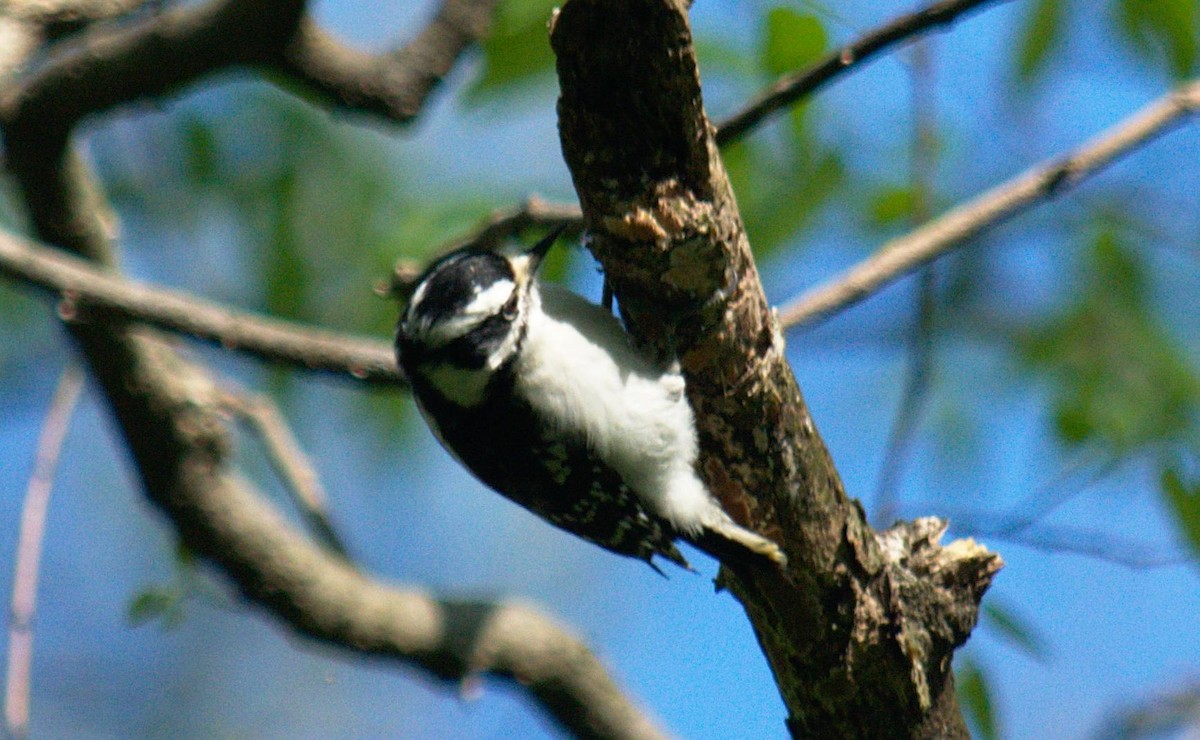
(860, 630)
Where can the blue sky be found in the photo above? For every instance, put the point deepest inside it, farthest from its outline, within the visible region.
(1114, 635)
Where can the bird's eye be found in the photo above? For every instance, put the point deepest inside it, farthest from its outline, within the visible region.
(509, 310)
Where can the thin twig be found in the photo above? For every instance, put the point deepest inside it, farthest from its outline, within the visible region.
(1045, 500)
(1024, 524)
(507, 222)
(29, 549)
(501, 224)
(85, 289)
(912, 403)
(1174, 713)
(1077, 541)
(787, 90)
(291, 464)
(920, 363)
(906, 253)
(790, 88)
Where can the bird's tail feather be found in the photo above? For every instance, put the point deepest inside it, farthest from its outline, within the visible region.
(733, 544)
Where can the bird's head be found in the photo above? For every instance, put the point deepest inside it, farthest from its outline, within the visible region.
(467, 317)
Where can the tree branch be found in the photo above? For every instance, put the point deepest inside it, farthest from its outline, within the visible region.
(860, 630)
(88, 292)
(791, 88)
(500, 225)
(170, 415)
(29, 550)
(110, 66)
(155, 57)
(25, 25)
(291, 464)
(392, 85)
(955, 227)
(786, 91)
(1065, 540)
(68, 12)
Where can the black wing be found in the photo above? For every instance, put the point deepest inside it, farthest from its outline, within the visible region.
(558, 478)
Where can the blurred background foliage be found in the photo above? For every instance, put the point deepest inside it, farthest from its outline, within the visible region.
(1064, 348)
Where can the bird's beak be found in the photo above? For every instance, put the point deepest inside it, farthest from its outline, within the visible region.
(533, 258)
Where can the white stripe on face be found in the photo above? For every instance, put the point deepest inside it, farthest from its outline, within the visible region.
(485, 304)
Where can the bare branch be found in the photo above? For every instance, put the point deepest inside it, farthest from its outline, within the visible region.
(222, 518)
(62, 12)
(508, 222)
(169, 411)
(1065, 540)
(922, 153)
(147, 59)
(952, 229)
(26, 25)
(790, 88)
(392, 85)
(164, 52)
(29, 549)
(292, 465)
(19, 38)
(86, 289)
(500, 225)
(117, 66)
(1174, 713)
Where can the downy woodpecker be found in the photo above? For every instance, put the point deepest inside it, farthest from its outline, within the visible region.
(544, 398)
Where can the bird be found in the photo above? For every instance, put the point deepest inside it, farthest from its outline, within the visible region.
(543, 396)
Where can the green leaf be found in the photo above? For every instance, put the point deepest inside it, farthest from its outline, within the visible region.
(286, 275)
(1184, 498)
(201, 157)
(156, 604)
(791, 41)
(1118, 380)
(1167, 29)
(892, 205)
(715, 51)
(186, 559)
(798, 118)
(1043, 28)
(1013, 628)
(975, 695)
(776, 202)
(740, 160)
(518, 48)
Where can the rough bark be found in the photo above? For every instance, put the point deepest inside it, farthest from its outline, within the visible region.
(860, 630)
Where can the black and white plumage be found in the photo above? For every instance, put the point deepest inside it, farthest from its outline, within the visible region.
(542, 396)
